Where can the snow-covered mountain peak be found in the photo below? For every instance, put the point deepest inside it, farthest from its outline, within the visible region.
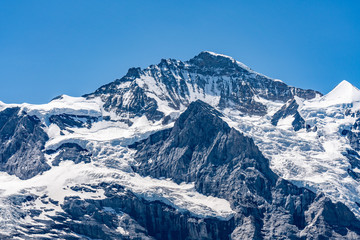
(214, 55)
(211, 59)
(172, 85)
(168, 139)
(217, 54)
(344, 92)
(133, 72)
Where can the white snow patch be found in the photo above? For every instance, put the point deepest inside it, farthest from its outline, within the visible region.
(343, 93)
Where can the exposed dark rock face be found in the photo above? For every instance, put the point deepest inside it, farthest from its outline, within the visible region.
(354, 114)
(354, 135)
(68, 120)
(160, 221)
(22, 141)
(353, 157)
(128, 102)
(298, 122)
(176, 83)
(334, 220)
(222, 162)
(72, 152)
(137, 218)
(201, 148)
(209, 141)
(354, 160)
(289, 109)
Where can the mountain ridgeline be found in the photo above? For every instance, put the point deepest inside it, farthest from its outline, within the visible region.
(222, 162)
(199, 149)
(213, 78)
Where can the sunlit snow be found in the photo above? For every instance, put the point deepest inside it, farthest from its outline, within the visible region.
(310, 159)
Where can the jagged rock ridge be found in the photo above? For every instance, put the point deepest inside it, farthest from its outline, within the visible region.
(216, 79)
(289, 109)
(22, 141)
(222, 162)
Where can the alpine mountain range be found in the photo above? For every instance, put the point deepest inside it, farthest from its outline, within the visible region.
(199, 149)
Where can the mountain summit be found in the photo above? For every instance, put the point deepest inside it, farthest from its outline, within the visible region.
(344, 92)
(211, 59)
(199, 149)
(222, 162)
(172, 85)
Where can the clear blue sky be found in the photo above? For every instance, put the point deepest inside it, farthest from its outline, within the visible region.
(52, 47)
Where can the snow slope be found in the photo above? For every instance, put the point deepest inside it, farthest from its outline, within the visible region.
(107, 141)
(343, 93)
(312, 159)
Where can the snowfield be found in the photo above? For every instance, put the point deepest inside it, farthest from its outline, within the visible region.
(107, 141)
(311, 159)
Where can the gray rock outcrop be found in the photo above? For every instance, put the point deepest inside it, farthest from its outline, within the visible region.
(22, 141)
(65, 121)
(206, 75)
(222, 162)
(70, 151)
(289, 109)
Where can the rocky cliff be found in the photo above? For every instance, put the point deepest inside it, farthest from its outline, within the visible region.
(216, 79)
(222, 162)
(199, 149)
(22, 141)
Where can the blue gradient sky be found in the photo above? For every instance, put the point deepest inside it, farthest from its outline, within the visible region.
(52, 47)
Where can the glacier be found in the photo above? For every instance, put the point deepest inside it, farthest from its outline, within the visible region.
(146, 101)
